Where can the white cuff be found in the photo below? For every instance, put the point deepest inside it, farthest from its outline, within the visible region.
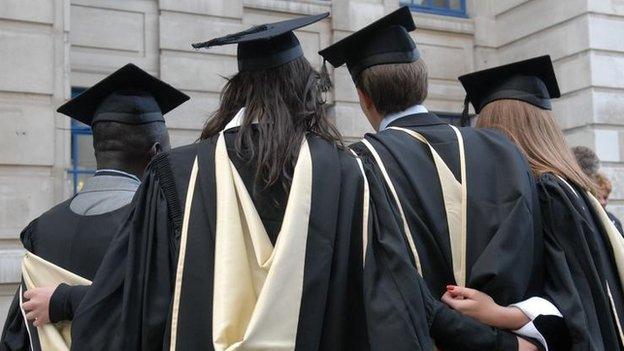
(532, 308)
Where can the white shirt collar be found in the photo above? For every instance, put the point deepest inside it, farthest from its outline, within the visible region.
(237, 121)
(407, 112)
(110, 170)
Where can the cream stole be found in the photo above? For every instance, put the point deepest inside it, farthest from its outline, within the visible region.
(38, 272)
(455, 198)
(257, 287)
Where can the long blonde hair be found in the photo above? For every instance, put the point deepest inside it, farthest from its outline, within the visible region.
(538, 136)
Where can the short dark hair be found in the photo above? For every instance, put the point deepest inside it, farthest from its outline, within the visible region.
(131, 143)
(394, 87)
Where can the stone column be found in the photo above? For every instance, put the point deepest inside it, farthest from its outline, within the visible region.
(33, 38)
(602, 122)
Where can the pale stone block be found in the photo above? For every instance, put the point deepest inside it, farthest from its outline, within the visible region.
(27, 62)
(575, 109)
(616, 176)
(445, 62)
(485, 57)
(580, 136)
(180, 137)
(10, 263)
(604, 32)
(354, 15)
(607, 145)
(179, 30)
(89, 67)
(25, 193)
(197, 72)
(500, 6)
(609, 7)
(193, 113)
(608, 106)
(38, 11)
(220, 8)
(574, 72)
(27, 135)
(344, 87)
(7, 291)
(607, 69)
(533, 16)
(107, 29)
(350, 120)
(444, 24)
(289, 6)
(559, 41)
(485, 29)
(311, 44)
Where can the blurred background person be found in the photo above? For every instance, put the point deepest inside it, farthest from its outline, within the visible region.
(587, 159)
(603, 190)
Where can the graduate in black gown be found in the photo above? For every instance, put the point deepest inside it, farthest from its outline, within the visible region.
(255, 237)
(466, 197)
(583, 251)
(125, 111)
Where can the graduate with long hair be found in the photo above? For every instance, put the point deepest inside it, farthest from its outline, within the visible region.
(583, 251)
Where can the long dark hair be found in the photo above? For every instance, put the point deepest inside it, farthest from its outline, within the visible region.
(287, 102)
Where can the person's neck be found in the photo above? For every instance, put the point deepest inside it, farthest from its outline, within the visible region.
(117, 166)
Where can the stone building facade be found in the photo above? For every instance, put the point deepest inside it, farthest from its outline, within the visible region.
(49, 48)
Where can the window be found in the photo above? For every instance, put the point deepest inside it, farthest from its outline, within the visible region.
(438, 7)
(83, 163)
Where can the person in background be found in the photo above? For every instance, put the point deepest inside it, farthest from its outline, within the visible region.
(587, 160)
(583, 250)
(125, 111)
(603, 190)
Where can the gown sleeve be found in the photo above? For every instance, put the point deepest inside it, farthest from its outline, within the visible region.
(401, 312)
(127, 306)
(15, 333)
(561, 282)
(65, 301)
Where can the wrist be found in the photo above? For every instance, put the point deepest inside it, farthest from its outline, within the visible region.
(511, 318)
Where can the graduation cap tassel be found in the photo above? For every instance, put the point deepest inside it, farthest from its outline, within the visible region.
(465, 118)
(325, 81)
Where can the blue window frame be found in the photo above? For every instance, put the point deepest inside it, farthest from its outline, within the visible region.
(455, 8)
(82, 158)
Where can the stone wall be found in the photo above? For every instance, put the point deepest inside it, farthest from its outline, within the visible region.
(34, 142)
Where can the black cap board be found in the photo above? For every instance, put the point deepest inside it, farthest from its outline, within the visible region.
(129, 95)
(385, 41)
(267, 45)
(532, 81)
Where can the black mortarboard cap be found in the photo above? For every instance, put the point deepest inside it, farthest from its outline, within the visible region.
(532, 81)
(129, 95)
(267, 45)
(385, 41)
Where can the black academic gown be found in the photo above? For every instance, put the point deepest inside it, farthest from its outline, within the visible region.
(504, 244)
(579, 266)
(74, 242)
(342, 307)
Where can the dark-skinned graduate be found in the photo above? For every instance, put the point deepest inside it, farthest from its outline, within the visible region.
(65, 245)
(584, 252)
(254, 237)
(465, 198)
